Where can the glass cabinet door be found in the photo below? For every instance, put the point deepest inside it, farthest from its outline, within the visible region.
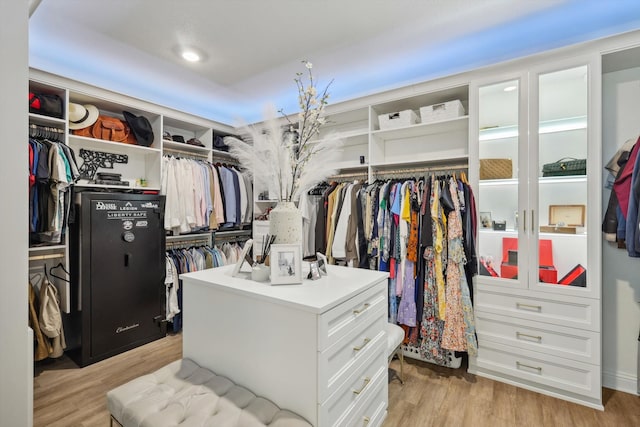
(500, 150)
(559, 131)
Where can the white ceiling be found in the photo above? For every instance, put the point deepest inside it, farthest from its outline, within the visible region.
(253, 48)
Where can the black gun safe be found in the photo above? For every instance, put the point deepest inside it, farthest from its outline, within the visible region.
(117, 245)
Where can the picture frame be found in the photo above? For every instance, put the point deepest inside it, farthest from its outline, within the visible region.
(485, 220)
(286, 264)
(242, 259)
(322, 263)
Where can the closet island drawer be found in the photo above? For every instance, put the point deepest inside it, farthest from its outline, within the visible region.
(572, 312)
(562, 374)
(570, 343)
(362, 309)
(373, 411)
(357, 389)
(338, 361)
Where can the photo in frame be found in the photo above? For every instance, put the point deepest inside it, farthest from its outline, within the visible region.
(485, 220)
(322, 263)
(286, 264)
(242, 259)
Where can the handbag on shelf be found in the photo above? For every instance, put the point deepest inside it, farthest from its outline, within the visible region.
(496, 169)
(109, 129)
(565, 166)
(45, 104)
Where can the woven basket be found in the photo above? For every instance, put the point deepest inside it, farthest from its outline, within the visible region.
(495, 169)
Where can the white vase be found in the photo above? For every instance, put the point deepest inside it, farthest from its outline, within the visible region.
(285, 222)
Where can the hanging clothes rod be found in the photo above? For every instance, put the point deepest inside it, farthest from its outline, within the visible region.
(176, 244)
(425, 169)
(191, 154)
(48, 256)
(349, 175)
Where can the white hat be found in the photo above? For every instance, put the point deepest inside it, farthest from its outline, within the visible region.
(82, 116)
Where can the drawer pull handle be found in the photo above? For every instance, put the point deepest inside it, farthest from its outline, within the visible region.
(366, 381)
(365, 421)
(535, 368)
(366, 305)
(366, 341)
(530, 307)
(535, 337)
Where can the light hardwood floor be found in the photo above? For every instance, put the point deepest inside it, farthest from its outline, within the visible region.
(66, 396)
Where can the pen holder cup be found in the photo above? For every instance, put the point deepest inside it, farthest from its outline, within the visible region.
(260, 273)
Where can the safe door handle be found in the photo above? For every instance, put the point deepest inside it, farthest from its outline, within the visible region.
(127, 258)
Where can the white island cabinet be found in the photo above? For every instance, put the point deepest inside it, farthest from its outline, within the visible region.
(317, 348)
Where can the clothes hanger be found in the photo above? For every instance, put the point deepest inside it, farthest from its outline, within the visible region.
(61, 266)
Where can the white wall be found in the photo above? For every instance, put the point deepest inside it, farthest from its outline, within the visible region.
(620, 273)
(16, 366)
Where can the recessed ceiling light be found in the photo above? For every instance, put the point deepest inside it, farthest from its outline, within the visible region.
(190, 55)
(510, 88)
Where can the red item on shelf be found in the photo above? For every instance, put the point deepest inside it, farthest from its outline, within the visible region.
(547, 273)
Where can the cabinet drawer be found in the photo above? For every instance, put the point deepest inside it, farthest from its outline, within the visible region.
(337, 322)
(358, 388)
(541, 369)
(373, 412)
(336, 363)
(570, 343)
(579, 313)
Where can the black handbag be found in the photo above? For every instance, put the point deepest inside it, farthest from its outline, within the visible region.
(46, 104)
(565, 166)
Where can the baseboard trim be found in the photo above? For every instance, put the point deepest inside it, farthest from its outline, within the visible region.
(620, 381)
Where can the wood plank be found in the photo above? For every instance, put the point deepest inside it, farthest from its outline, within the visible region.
(432, 396)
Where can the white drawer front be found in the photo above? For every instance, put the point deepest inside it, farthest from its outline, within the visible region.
(373, 412)
(340, 320)
(358, 388)
(580, 313)
(336, 363)
(566, 375)
(571, 343)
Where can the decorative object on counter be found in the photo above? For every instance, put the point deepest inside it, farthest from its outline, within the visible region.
(496, 169)
(243, 258)
(314, 272)
(92, 160)
(286, 159)
(141, 128)
(322, 263)
(565, 166)
(286, 264)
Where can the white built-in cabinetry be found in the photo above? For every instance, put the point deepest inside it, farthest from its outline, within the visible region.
(143, 168)
(318, 349)
(532, 331)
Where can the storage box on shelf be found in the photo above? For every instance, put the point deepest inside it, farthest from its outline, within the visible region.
(442, 111)
(397, 119)
(439, 141)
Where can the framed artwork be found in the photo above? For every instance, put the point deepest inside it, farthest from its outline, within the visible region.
(485, 220)
(242, 258)
(286, 264)
(322, 263)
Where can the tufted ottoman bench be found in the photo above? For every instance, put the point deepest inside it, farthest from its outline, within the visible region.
(185, 394)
